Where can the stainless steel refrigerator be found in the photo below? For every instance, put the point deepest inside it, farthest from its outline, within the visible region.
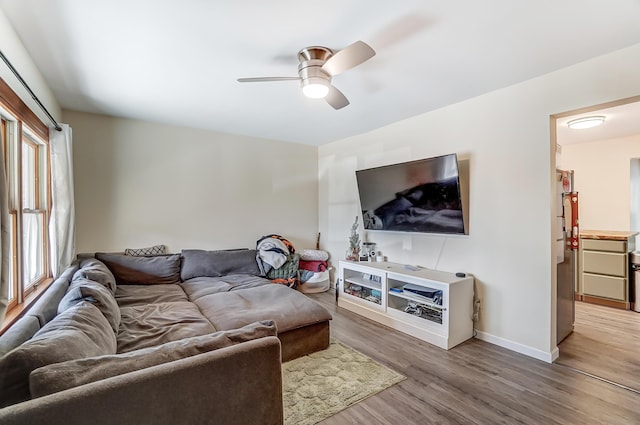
(567, 244)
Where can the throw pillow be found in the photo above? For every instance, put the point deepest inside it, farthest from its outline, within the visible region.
(131, 270)
(145, 252)
(198, 263)
(314, 255)
(83, 289)
(53, 378)
(95, 270)
(81, 331)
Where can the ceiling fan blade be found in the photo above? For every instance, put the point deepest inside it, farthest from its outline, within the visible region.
(349, 57)
(260, 79)
(336, 99)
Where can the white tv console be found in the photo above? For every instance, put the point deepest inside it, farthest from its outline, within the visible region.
(442, 315)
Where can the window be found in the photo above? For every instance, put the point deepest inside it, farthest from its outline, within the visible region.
(34, 211)
(13, 281)
(25, 144)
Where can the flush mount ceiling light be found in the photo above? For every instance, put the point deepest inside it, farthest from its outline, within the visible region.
(586, 122)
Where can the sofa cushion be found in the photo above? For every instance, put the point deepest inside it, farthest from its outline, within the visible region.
(197, 262)
(154, 324)
(287, 307)
(197, 287)
(93, 269)
(18, 333)
(46, 307)
(79, 332)
(53, 378)
(131, 270)
(130, 295)
(82, 289)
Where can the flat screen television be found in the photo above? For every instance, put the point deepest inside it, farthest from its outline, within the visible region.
(418, 196)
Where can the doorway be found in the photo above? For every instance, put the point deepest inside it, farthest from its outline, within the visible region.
(603, 342)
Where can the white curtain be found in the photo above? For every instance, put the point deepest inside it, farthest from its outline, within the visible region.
(62, 229)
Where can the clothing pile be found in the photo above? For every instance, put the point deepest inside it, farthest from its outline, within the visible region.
(278, 260)
(314, 271)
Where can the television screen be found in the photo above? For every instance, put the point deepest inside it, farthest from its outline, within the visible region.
(417, 196)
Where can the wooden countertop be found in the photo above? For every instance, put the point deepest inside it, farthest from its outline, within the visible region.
(609, 235)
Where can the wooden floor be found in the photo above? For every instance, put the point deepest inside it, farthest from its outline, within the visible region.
(606, 343)
(474, 383)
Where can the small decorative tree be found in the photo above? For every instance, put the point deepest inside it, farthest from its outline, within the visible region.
(353, 253)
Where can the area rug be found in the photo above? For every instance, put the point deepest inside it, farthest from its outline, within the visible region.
(321, 384)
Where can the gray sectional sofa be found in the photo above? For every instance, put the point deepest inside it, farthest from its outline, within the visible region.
(194, 338)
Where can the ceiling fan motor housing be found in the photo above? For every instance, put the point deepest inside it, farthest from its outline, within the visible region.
(310, 68)
(315, 52)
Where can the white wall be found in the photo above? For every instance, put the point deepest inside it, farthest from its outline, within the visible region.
(602, 178)
(15, 51)
(505, 136)
(635, 198)
(140, 183)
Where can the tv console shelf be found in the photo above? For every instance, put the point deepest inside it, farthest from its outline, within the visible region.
(434, 306)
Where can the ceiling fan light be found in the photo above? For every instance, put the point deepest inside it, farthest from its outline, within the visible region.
(586, 122)
(316, 88)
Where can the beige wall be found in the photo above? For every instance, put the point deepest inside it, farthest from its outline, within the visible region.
(14, 50)
(602, 178)
(505, 136)
(140, 183)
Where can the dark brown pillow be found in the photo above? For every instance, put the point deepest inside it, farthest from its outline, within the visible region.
(131, 270)
(53, 378)
(81, 331)
(198, 263)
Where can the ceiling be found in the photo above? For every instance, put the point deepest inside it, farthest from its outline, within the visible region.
(177, 61)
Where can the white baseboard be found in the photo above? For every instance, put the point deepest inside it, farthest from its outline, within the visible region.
(554, 354)
(519, 348)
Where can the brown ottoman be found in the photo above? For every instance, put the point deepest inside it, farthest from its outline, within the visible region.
(303, 324)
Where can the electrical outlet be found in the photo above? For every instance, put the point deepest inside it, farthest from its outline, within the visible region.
(476, 310)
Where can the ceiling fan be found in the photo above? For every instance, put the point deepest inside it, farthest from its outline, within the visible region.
(318, 65)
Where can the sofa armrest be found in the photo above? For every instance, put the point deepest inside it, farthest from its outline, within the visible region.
(241, 384)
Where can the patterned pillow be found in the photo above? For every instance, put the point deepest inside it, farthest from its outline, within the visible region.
(144, 252)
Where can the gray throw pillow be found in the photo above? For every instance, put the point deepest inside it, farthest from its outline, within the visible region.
(53, 378)
(199, 263)
(95, 270)
(81, 331)
(82, 289)
(131, 270)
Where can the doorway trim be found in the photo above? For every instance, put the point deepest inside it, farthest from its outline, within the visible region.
(553, 118)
